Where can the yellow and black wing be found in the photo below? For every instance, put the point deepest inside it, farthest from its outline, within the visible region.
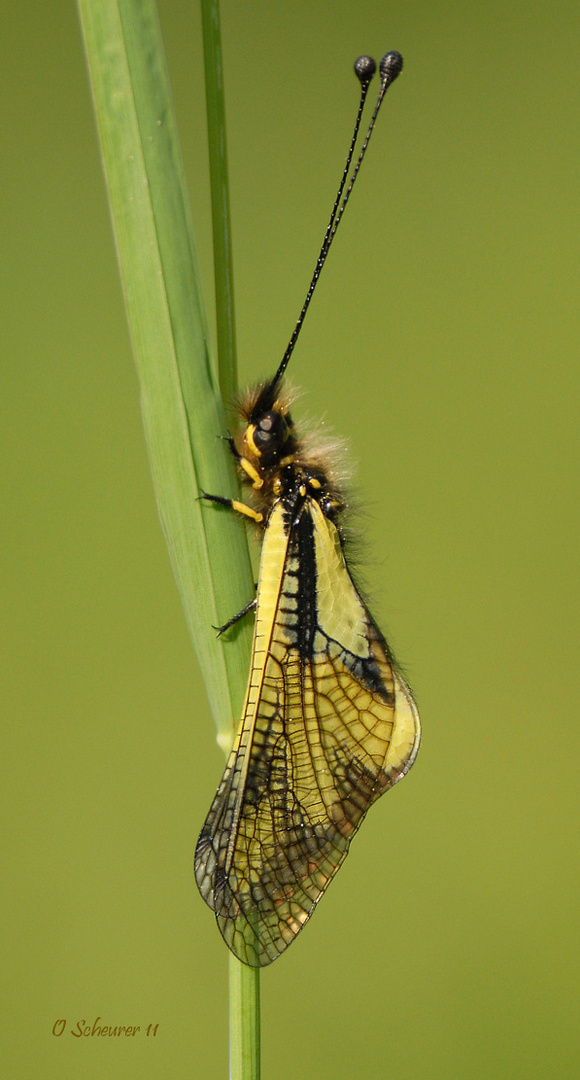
(328, 726)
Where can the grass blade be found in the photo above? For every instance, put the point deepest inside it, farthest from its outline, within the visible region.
(182, 407)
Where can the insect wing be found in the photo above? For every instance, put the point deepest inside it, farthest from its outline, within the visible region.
(327, 727)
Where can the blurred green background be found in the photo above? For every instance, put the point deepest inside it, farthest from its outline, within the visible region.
(443, 344)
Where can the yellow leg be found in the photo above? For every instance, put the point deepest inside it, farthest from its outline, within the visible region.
(234, 504)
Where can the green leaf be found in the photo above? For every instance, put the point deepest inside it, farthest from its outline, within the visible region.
(182, 408)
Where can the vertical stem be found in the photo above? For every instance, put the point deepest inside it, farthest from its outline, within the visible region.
(244, 1021)
(220, 200)
(244, 982)
(182, 407)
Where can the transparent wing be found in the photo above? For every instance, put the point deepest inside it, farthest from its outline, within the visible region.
(328, 726)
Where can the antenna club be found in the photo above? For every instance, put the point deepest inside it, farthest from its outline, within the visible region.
(364, 69)
(390, 66)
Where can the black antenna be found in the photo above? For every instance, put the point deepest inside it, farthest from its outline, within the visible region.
(365, 67)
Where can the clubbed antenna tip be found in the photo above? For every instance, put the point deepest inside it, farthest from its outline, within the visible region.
(364, 69)
(390, 66)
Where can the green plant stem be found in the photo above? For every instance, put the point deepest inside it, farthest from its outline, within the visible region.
(244, 983)
(220, 200)
(244, 1021)
(182, 405)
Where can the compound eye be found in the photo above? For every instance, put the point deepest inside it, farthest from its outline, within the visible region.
(268, 430)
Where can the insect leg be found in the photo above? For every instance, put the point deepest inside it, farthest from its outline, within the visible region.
(245, 465)
(230, 441)
(235, 618)
(234, 504)
(247, 511)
